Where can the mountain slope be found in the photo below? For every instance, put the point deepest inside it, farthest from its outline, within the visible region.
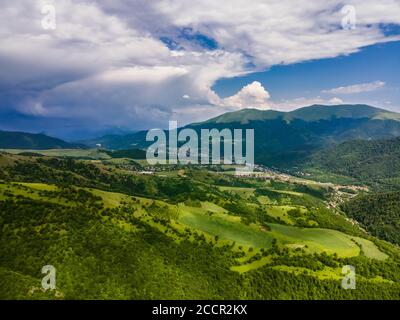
(284, 139)
(378, 213)
(376, 162)
(23, 140)
(311, 113)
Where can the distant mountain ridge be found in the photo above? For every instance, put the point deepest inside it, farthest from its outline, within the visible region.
(283, 139)
(23, 140)
(311, 113)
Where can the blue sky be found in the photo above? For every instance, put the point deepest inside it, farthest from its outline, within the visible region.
(74, 68)
(379, 62)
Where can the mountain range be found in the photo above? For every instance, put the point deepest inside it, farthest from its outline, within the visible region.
(285, 139)
(23, 140)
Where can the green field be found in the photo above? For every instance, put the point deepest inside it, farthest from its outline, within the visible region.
(310, 239)
(317, 240)
(369, 249)
(224, 228)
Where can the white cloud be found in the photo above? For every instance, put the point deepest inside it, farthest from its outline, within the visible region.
(252, 95)
(356, 88)
(336, 101)
(277, 31)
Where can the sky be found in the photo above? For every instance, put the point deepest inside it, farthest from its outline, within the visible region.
(76, 69)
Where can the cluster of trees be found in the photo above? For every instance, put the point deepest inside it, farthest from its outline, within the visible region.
(313, 262)
(274, 284)
(162, 213)
(249, 213)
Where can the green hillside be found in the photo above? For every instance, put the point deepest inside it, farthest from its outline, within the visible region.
(375, 162)
(113, 233)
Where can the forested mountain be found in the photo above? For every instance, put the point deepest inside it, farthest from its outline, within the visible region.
(23, 140)
(375, 162)
(379, 213)
(283, 139)
(308, 114)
